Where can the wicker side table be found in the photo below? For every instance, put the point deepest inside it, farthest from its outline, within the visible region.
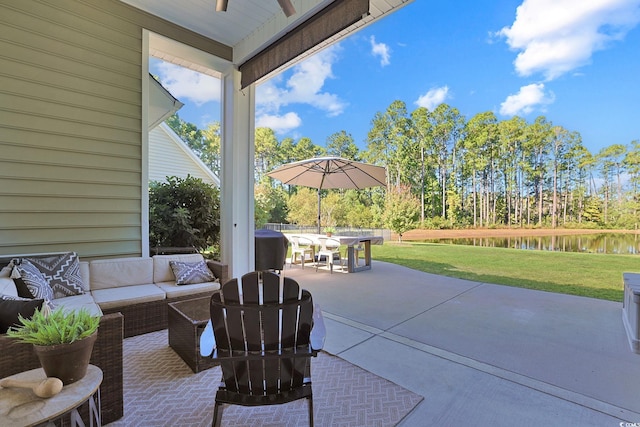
(187, 320)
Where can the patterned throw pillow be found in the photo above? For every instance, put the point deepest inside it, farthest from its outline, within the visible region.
(188, 273)
(21, 287)
(33, 278)
(62, 272)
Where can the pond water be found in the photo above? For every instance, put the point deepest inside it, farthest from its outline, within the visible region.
(605, 243)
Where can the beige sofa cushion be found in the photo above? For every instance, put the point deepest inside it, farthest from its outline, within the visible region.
(128, 295)
(120, 272)
(84, 273)
(77, 302)
(174, 290)
(162, 271)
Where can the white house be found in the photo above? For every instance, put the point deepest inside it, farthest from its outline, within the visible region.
(169, 155)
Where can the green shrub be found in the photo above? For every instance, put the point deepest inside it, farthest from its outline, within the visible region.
(184, 212)
(438, 223)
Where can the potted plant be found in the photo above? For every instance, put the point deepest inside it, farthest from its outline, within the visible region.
(62, 340)
(329, 231)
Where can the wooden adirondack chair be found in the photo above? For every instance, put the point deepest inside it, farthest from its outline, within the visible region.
(262, 342)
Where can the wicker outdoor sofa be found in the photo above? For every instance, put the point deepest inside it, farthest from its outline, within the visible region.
(118, 321)
(149, 316)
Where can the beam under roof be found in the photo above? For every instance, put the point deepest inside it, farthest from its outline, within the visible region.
(334, 18)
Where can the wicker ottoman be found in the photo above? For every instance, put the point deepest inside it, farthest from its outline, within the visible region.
(187, 320)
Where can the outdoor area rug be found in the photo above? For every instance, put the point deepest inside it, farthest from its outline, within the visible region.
(161, 390)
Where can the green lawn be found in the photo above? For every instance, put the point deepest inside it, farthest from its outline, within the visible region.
(590, 275)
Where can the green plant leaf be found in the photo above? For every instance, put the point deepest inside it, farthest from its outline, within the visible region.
(59, 327)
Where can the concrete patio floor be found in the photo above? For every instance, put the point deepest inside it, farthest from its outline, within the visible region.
(481, 354)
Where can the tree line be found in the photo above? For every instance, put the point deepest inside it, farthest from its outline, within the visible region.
(447, 171)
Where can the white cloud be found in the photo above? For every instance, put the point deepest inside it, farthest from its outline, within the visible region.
(382, 50)
(279, 124)
(434, 97)
(303, 87)
(188, 85)
(557, 36)
(525, 101)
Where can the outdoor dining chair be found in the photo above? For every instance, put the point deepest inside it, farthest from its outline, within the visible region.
(357, 250)
(329, 250)
(301, 246)
(263, 342)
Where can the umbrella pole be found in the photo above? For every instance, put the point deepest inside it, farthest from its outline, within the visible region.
(318, 211)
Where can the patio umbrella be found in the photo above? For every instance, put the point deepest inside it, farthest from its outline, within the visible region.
(330, 172)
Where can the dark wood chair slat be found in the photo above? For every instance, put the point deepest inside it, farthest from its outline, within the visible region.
(263, 346)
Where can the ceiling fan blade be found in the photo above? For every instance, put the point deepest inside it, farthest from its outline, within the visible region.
(221, 5)
(287, 7)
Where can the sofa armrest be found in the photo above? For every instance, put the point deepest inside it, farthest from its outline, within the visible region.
(220, 270)
(108, 355)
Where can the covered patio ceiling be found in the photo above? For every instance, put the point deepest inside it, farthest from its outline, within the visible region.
(250, 27)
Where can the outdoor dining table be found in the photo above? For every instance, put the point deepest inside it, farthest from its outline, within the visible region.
(351, 242)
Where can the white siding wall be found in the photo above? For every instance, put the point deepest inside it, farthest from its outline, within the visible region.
(169, 156)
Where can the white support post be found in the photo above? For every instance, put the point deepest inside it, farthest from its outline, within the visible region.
(237, 222)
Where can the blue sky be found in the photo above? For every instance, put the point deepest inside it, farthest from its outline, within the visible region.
(577, 62)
